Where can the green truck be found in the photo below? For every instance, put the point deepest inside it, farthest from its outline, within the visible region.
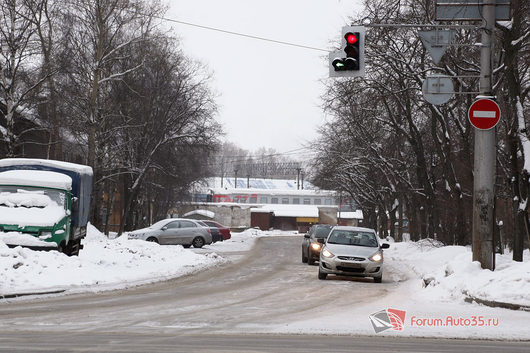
(44, 204)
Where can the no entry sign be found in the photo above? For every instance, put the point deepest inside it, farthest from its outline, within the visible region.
(484, 114)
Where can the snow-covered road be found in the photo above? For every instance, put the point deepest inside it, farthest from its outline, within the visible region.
(235, 287)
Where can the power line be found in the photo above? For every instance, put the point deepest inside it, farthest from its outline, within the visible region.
(243, 158)
(239, 34)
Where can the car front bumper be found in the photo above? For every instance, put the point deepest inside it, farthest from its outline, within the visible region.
(342, 267)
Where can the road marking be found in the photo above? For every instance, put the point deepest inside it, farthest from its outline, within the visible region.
(484, 114)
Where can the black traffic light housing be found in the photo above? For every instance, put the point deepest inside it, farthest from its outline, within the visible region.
(349, 61)
(351, 49)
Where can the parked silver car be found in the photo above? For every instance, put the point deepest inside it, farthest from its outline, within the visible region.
(185, 232)
(352, 251)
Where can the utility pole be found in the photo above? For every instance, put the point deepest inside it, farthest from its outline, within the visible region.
(485, 154)
(298, 178)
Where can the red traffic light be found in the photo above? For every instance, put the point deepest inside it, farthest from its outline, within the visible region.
(350, 38)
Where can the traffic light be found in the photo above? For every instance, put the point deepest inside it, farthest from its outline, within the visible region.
(349, 61)
(351, 49)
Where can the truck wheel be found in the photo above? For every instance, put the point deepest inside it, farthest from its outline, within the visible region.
(62, 248)
(198, 242)
(72, 249)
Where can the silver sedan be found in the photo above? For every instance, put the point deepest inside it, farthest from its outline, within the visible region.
(176, 231)
(352, 251)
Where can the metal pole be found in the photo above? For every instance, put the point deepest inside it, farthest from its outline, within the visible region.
(485, 154)
(298, 178)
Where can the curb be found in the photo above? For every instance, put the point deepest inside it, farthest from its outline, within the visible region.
(16, 295)
(495, 304)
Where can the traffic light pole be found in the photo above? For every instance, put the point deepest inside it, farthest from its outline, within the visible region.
(485, 155)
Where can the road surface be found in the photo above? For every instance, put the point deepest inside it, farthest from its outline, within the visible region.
(218, 310)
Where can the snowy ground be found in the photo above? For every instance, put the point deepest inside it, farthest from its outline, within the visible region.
(428, 281)
(106, 264)
(448, 273)
(432, 282)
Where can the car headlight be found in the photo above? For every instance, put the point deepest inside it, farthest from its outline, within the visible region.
(327, 253)
(45, 235)
(376, 257)
(315, 246)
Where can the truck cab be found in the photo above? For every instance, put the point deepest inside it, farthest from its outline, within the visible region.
(44, 204)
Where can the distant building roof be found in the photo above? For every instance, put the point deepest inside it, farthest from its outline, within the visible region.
(288, 210)
(253, 183)
(272, 192)
(301, 211)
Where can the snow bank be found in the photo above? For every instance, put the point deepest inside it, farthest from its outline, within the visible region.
(102, 264)
(431, 309)
(106, 264)
(448, 273)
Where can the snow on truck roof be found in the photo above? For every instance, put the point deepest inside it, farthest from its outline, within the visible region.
(36, 178)
(78, 168)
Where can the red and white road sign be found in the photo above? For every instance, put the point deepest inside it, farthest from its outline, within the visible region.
(484, 114)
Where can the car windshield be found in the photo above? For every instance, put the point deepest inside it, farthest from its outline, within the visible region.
(160, 224)
(351, 237)
(322, 232)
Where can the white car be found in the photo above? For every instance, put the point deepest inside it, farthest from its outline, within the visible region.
(352, 251)
(175, 231)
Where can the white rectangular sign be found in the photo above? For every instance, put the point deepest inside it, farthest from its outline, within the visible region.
(483, 114)
(469, 10)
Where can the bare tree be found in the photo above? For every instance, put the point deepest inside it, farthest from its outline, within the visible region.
(515, 87)
(166, 118)
(101, 33)
(19, 76)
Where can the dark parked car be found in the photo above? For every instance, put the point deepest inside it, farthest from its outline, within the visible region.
(310, 245)
(225, 231)
(216, 234)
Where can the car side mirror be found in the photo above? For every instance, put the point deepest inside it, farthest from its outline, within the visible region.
(385, 246)
(307, 236)
(321, 240)
(164, 227)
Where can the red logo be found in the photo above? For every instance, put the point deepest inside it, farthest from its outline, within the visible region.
(388, 319)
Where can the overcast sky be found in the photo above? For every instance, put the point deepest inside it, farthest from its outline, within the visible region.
(269, 94)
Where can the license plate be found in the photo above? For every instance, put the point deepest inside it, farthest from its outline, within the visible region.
(349, 264)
